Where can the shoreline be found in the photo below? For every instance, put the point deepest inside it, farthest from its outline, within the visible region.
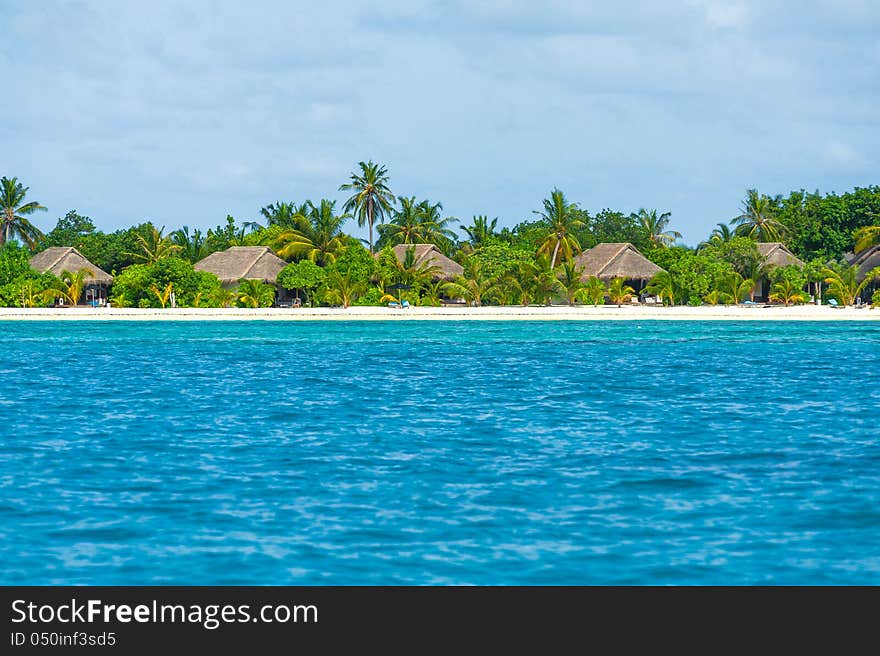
(489, 313)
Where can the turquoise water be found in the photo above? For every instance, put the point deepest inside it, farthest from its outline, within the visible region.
(426, 453)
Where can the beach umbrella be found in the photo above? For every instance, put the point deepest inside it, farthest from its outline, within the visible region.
(399, 286)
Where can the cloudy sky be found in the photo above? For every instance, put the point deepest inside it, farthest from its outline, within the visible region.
(182, 112)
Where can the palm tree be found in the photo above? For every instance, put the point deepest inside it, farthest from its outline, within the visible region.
(721, 234)
(317, 235)
(787, 293)
(474, 286)
(663, 286)
(866, 237)
(569, 275)
(372, 199)
(162, 295)
(655, 225)
(155, 246)
(408, 271)
(343, 288)
(545, 284)
(255, 293)
(561, 219)
(69, 286)
(418, 223)
(283, 214)
(619, 292)
(32, 293)
(518, 284)
(734, 287)
(193, 247)
(594, 291)
(222, 297)
(14, 221)
(842, 281)
(435, 228)
(714, 297)
(756, 220)
(480, 231)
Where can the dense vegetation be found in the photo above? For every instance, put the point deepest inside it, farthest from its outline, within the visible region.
(532, 262)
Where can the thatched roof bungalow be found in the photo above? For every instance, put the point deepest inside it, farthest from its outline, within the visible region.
(429, 255)
(866, 260)
(58, 259)
(777, 254)
(243, 263)
(620, 260)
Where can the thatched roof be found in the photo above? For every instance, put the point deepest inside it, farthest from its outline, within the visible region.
(243, 262)
(429, 255)
(57, 259)
(866, 260)
(777, 254)
(609, 261)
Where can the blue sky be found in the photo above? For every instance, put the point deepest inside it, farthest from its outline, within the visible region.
(182, 112)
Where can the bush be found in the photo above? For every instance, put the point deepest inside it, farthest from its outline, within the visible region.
(131, 288)
(875, 299)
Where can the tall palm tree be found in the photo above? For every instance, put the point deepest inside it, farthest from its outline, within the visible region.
(757, 220)
(655, 226)
(69, 286)
(193, 247)
(283, 214)
(155, 246)
(13, 220)
(866, 237)
(405, 226)
(561, 219)
(480, 231)
(317, 235)
(435, 228)
(474, 286)
(255, 293)
(372, 200)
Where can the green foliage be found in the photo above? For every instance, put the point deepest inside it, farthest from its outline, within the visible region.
(355, 262)
(14, 213)
(693, 272)
(303, 276)
(875, 298)
(343, 287)
(498, 258)
(19, 284)
(255, 294)
(132, 287)
(619, 292)
(787, 292)
(593, 292)
(664, 286)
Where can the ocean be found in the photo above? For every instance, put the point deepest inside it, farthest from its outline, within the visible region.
(439, 453)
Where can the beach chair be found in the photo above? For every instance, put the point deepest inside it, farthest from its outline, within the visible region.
(832, 302)
(405, 304)
(394, 304)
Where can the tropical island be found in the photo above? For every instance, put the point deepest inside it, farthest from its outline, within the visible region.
(803, 248)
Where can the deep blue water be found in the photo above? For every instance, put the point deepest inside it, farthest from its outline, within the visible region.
(433, 453)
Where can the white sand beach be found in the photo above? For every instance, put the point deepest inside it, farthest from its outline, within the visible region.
(491, 313)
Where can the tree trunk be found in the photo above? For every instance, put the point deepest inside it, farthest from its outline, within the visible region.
(370, 221)
(555, 252)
